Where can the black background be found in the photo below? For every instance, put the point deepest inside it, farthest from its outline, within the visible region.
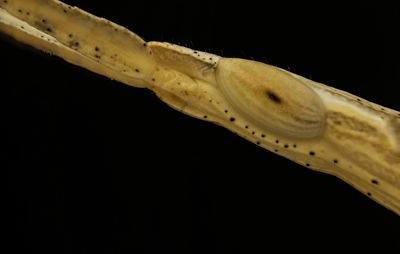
(97, 166)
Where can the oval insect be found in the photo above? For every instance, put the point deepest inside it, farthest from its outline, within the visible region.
(271, 99)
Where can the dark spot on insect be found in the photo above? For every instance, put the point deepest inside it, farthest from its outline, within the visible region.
(137, 70)
(294, 145)
(226, 111)
(276, 150)
(374, 181)
(44, 21)
(195, 52)
(123, 70)
(246, 126)
(115, 29)
(19, 10)
(258, 142)
(312, 153)
(232, 119)
(382, 109)
(76, 43)
(335, 161)
(179, 83)
(253, 132)
(369, 194)
(337, 122)
(210, 100)
(210, 58)
(272, 96)
(48, 29)
(41, 36)
(286, 146)
(5, 1)
(65, 11)
(263, 135)
(27, 13)
(69, 35)
(22, 27)
(277, 141)
(153, 79)
(96, 48)
(97, 56)
(358, 99)
(205, 116)
(308, 164)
